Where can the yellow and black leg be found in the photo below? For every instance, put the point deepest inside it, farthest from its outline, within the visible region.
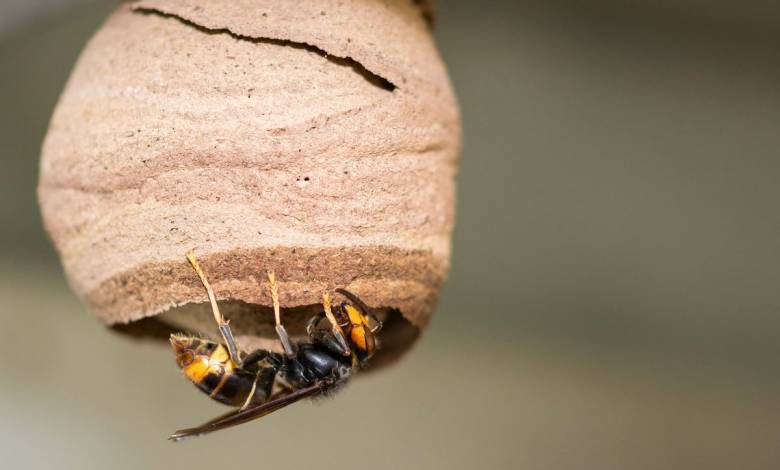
(224, 327)
(333, 339)
(284, 338)
(263, 383)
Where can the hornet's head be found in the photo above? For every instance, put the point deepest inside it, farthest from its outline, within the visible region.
(361, 325)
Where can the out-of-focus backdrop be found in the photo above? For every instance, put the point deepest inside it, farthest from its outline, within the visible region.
(615, 295)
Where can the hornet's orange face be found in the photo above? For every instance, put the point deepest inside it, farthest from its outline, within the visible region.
(362, 329)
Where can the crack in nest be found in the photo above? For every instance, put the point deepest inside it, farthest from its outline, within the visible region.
(357, 67)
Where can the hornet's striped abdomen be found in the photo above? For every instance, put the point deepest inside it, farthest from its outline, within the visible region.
(209, 367)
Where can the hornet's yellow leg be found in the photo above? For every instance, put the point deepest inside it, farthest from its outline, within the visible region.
(338, 333)
(284, 338)
(224, 327)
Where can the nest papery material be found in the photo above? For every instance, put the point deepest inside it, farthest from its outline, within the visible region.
(317, 139)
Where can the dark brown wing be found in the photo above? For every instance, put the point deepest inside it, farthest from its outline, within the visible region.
(239, 416)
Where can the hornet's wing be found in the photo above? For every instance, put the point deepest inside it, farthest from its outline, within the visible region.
(240, 416)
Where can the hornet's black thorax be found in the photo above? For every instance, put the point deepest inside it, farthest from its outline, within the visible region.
(315, 362)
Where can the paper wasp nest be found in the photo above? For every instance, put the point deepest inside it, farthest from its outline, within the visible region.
(314, 138)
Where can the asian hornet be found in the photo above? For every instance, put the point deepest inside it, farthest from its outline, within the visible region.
(341, 340)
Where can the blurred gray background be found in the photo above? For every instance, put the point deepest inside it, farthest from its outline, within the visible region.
(615, 295)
